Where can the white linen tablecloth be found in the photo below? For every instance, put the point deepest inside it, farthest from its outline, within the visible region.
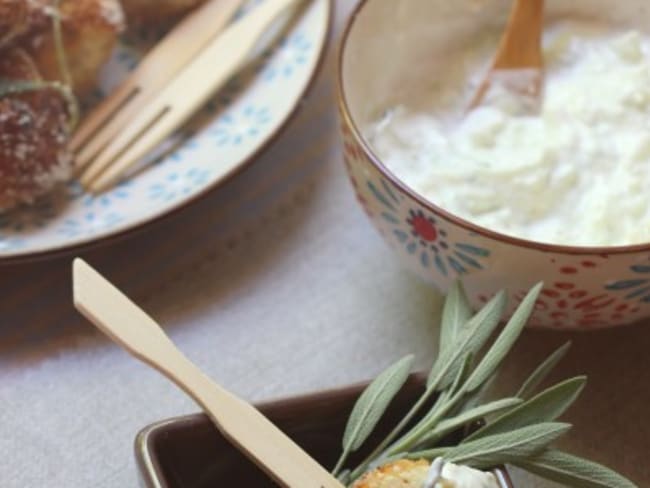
(276, 284)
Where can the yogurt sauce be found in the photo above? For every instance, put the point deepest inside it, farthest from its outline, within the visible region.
(458, 476)
(577, 172)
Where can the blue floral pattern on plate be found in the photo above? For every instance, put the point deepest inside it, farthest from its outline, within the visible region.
(230, 129)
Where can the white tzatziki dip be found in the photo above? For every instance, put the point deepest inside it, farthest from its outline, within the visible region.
(575, 172)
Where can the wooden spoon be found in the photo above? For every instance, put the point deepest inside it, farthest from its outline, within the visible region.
(246, 428)
(518, 64)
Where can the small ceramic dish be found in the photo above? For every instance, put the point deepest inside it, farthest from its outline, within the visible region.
(585, 287)
(227, 135)
(188, 452)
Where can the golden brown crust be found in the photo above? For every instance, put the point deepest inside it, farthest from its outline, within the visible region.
(90, 31)
(155, 11)
(33, 135)
(14, 20)
(399, 474)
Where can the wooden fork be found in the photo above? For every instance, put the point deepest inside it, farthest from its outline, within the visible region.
(244, 426)
(518, 64)
(183, 96)
(153, 72)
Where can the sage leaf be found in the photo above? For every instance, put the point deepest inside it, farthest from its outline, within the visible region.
(542, 371)
(505, 341)
(449, 425)
(476, 397)
(508, 447)
(470, 339)
(455, 313)
(573, 471)
(462, 374)
(429, 454)
(344, 477)
(373, 402)
(444, 397)
(544, 407)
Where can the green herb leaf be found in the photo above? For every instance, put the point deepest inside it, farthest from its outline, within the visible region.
(470, 338)
(344, 477)
(522, 432)
(542, 371)
(445, 396)
(573, 471)
(455, 314)
(373, 402)
(448, 426)
(505, 341)
(462, 374)
(507, 447)
(544, 407)
(10, 87)
(429, 454)
(474, 398)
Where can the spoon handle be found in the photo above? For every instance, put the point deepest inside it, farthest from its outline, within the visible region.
(244, 426)
(521, 44)
(519, 55)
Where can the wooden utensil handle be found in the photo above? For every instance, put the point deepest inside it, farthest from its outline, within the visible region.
(244, 425)
(129, 326)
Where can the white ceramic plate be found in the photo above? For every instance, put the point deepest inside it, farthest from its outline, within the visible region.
(247, 114)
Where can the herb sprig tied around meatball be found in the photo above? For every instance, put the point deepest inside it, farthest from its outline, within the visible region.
(50, 53)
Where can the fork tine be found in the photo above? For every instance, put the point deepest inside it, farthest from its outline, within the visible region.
(159, 129)
(112, 125)
(165, 60)
(183, 96)
(136, 128)
(93, 122)
(156, 122)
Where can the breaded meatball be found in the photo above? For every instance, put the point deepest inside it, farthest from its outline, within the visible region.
(399, 474)
(34, 129)
(405, 473)
(14, 20)
(152, 11)
(90, 31)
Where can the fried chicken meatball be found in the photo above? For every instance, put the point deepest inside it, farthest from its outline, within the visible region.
(147, 11)
(14, 20)
(405, 473)
(399, 474)
(33, 134)
(90, 31)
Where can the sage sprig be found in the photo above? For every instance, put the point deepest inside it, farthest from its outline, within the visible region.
(573, 471)
(493, 450)
(505, 341)
(542, 371)
(447, 426)
(510, 446)
(481, 373)
(371, 405)
(544, 407)
(517, 430)
(456, 312)
(469, 339)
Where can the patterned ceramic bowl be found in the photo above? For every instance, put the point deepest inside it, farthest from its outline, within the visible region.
(389, 47)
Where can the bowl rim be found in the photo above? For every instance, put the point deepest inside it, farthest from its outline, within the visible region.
(151, 471)
(376, 161)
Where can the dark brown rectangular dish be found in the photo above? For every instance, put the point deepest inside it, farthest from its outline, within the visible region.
(188, 452)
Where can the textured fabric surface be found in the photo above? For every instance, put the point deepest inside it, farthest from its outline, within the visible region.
(276, 284)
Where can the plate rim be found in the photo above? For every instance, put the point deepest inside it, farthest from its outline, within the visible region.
(91, 243)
